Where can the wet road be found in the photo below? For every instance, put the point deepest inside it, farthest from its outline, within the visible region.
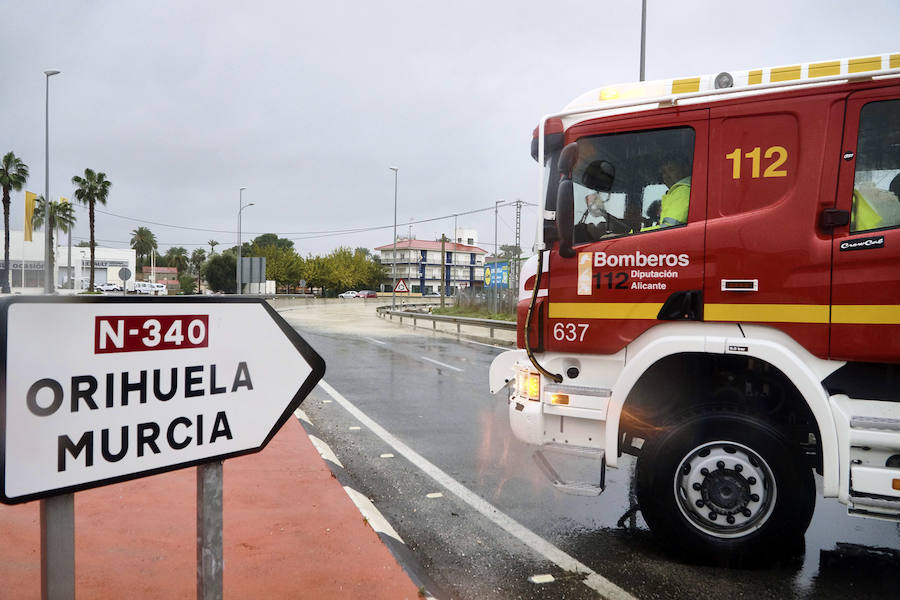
(428, 393)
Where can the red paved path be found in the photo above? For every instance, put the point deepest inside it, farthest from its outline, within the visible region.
(290, 532)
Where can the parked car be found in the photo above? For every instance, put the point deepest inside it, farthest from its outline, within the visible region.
(348, 294)
(366, 294)
(108, 287)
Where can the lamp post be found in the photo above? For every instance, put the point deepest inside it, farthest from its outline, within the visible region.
(241, 207)
(494, 278)
(48, 276)
(394, 262)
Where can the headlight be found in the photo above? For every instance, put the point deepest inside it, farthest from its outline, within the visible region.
(528, 385)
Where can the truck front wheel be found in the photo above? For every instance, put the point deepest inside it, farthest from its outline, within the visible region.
(726, 488)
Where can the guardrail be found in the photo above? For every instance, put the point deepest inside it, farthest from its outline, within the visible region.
(490, 324)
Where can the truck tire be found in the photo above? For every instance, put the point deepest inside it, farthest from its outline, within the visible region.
(725, 488)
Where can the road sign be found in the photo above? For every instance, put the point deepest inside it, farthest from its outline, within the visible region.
(401, 286)
(97, 390)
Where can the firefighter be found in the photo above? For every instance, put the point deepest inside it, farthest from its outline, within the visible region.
(676, 174)
(862, 216)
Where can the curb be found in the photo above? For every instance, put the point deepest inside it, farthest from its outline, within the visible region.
(386, 533)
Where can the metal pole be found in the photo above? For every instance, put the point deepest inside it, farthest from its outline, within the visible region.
(496, 294)
(69, 274)
(210, 563)
(643, 36)
(394, 263)
(58, 547)
(48, 276)
(238, 267)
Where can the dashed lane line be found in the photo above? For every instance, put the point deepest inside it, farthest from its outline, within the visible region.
(440, 364)
(483, 344)
(373, 516)
(539, 545)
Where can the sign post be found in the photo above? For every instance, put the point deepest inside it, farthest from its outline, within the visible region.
(138, 387)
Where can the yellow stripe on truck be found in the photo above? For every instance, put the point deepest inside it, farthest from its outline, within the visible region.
(604, 310)
(866, 314)
(767, 313)
(863, 314)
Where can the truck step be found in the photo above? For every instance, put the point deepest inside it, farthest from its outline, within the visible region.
(576, 488)
(584, 451)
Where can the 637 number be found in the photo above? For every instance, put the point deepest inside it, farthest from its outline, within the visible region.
(569, 332)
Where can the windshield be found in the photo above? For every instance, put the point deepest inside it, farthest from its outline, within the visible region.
(626, 183)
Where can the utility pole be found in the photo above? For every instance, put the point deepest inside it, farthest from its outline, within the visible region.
(443, 268)
(394, 255)
(643, 36)
(518, 263)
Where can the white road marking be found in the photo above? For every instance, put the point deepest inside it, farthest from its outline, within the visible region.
(373, 515)
(483, 344)
(373, 340)
(302, 416)
(354, 428)
(325, 450)
(434, 495)
(539, 545)
(440, 364)
(386, 455)
(542, 579)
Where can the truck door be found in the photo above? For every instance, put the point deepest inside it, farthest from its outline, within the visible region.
(768, 261)
(640, 202)
(865, 291)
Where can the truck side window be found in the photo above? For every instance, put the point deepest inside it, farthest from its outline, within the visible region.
(633, 182)
(876, 183)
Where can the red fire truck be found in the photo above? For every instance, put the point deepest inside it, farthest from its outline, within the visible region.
(717, 292)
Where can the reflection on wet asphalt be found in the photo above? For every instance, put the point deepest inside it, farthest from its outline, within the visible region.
(449, 417)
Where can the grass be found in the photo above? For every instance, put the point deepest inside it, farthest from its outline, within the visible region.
(474, 312)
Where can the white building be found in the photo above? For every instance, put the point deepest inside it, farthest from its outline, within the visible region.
(26, 264)
(418, 262)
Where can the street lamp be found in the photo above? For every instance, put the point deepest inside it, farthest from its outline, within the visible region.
(241, 207)
(48, 276)
(496, 293)
(394, 262)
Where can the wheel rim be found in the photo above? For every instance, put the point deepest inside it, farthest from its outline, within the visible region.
(725, 489)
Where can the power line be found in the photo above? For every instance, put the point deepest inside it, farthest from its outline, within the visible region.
(305, 235)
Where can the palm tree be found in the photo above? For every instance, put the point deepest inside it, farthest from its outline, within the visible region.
(61, 216)
(198, 257)
(93, 188)
(178, 258)
(13, 173)
(212, 246)
(143, 242)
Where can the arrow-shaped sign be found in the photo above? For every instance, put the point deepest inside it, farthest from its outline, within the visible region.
(105, 389)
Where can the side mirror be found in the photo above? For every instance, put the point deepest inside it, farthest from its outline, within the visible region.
(553, 137)
(599, 175)
(565, 201)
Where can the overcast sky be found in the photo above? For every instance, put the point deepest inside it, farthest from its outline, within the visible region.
(307, 104)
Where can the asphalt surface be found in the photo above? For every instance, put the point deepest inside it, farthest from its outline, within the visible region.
(410, 417)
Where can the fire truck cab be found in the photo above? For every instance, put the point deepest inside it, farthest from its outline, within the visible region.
(717, 292)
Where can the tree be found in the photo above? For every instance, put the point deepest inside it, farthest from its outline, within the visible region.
(177, 257)
(198, 257)
(220, 272)
(92, 188)
(61, 216)
(186, 282)
(510, 251)
(282, 264)
(13, 174)
(143, 242)
(212, 246)
(270, 239)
